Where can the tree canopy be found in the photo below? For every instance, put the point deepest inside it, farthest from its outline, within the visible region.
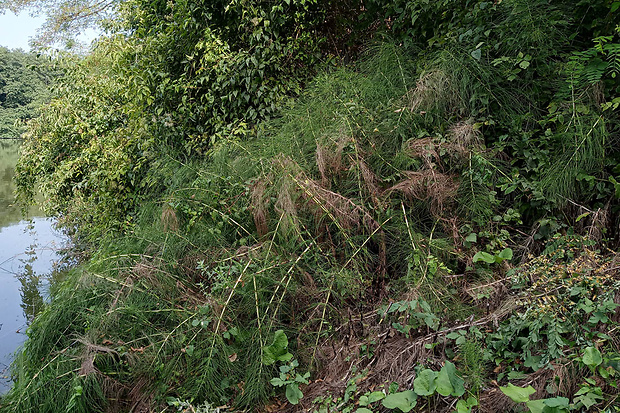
(25, 81)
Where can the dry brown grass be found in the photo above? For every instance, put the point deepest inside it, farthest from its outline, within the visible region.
(393, 358)
(286, 208)
(346, 213)
(428, 185)
(464, 137)
(141, 398)
(371, 181)
(598, 223)
(169, 219)
(88, 358)
(594, 224)
(151, 273)
(121, 397)
(329, 157)
(300, 195)
(488, 293)
(260, 207)
(425, 149)
(431, 89)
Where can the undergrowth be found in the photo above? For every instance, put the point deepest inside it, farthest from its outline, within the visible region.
(429, 228)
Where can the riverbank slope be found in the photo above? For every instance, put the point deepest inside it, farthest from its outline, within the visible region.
(397, 206)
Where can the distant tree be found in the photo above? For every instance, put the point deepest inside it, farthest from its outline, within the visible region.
(25, 79)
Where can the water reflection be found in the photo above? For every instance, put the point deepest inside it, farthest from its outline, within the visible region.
(32, 300)
(9, 153)
(28, 251)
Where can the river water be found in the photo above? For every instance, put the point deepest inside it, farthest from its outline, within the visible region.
(28, 253)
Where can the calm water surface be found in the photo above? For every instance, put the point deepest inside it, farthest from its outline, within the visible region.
(28, 252)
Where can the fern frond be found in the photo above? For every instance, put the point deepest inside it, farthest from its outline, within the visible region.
(612, 51)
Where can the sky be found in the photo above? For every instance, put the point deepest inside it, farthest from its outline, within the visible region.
(15, 31)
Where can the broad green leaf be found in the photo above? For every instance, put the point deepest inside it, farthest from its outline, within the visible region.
(535, 406)
(592, 357)
(484, 256)
(516, 375)
(476, 54)
(404, 400)
(277, 351)
(280, 341)
(454, 335)
(558, 402)
(603, 372)
(448, 382)
(424, 384)
(363, 401)
(189, 350)
(444, 387)
(472, 237)
(472, 401)
(293, 394)
(506, 254)
(464, 406)
(278, 382)
(461, 407)
(375, 396)
(518, 394)
(363, 410)
(269, 357)
(533, 362)
(285, 357)
(302, 379)
(588, 398)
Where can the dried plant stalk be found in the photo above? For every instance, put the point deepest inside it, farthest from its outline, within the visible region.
(259, 207)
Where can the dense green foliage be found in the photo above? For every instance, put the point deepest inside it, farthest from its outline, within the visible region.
(190, 75)
(25, 81)
(252, 192)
